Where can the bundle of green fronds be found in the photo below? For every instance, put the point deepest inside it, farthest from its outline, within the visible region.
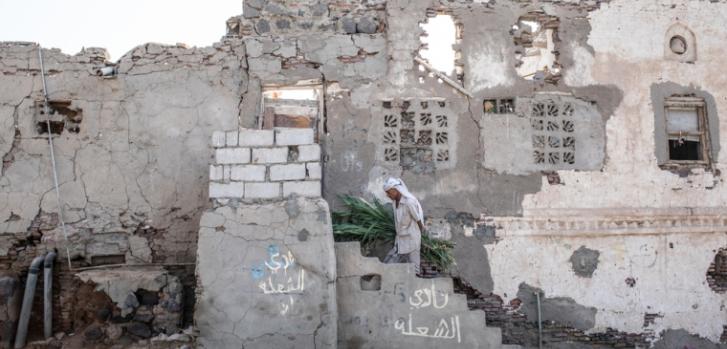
(369, 222)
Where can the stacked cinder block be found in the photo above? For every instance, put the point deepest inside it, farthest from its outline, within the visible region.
(265, 164)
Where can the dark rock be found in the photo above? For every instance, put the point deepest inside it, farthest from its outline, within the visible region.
(282, 24)
(367, 25)
(103, 314)
(348, 25)
(144, 314)
(139, 329)
(262, 26)
(303, 235)
(147, 297)
(93, 333)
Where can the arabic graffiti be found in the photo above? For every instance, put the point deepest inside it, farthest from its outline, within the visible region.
(443, 330)
(430, 298)
(281, 276)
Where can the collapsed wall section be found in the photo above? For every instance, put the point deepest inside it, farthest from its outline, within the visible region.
(265, 262)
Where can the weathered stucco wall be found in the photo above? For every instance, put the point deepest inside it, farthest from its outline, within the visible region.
(605, 228)
(131, 158)
(129, 176)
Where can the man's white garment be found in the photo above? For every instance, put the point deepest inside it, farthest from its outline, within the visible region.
(408, 236)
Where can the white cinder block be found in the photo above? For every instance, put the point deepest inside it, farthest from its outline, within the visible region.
(218, 139)
(231, 138)
(314, 170)
(216, 173)
(306, 188)
(293, 136)
(289, 172)
(254, 173)
(269, 155)
(226, 173)
(309, 152)
(232, 155)
(227, 190)
(262, 190)
(256, 138)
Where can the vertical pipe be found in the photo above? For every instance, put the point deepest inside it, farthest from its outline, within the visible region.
(11, 285)
(48, 295)
(540, 322)
(27, 302)
(53, 156)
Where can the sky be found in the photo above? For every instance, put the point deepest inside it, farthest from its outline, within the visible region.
(117, 26)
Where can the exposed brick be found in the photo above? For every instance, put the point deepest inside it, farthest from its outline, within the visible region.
(256, 138)
(309, 153)
(216, 173)
(294, 136)
(270, 155)
(231, 138)
(227, 190)
(288, 172)
(218, 139)
(262, 190)
(248, 173)
(314, 170)
(305, 188)
(232, 155)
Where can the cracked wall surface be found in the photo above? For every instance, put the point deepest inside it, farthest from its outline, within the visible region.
(266, 276)
(134, 180)
(129, 178)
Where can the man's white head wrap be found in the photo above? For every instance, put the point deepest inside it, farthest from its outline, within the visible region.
(398, 184)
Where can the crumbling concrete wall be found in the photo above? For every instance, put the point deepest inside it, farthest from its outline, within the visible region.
(608, 69)
(265, 263)
(388, 306)
(133, 148)
(131, 154)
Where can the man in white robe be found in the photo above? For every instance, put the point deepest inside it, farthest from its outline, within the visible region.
(408, 219)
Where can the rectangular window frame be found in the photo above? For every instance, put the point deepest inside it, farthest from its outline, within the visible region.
(688, 104)
(318, 122)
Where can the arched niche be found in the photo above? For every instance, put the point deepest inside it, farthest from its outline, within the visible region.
(680, 44)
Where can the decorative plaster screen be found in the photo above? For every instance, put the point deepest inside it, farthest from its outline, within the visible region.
(553, 129)
(416, 133)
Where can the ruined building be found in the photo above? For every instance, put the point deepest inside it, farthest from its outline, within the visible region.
(570, 148)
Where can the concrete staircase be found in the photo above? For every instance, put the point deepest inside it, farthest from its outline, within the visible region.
(387, 306)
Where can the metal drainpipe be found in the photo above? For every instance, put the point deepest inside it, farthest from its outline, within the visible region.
(27, 302)
(48, 295)
(540, 322)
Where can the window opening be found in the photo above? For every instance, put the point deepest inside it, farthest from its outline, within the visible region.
(440, 39)
(499, 106)
(686, 130)
(297, 106)
(536, 39)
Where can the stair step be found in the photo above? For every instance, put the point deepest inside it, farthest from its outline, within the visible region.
(386, 305)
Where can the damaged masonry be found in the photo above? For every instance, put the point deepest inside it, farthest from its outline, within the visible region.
(570, 149)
